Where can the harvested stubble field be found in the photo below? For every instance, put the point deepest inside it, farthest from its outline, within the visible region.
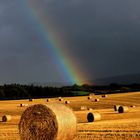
(113, 125)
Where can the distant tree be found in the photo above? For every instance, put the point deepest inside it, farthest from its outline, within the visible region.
(2, 94)
(114, 86)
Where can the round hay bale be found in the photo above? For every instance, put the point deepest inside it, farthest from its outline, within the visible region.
(83, 108)
(89, 97)
(60, 99)
(96, 100)
(47, 122)
(48, 100)
(87, 116)
(116, 107)
(133, 106)
(26, 105)
(103, 96)
(30, 100)
(91, 94)
(92, 117)
(21, 105)
(6, 118)
(123, 109)
(90, 108)
(67, 102)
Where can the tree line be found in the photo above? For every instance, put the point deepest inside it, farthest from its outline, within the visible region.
(17, 91)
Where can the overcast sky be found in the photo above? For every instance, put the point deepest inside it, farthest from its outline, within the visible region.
(103, 36)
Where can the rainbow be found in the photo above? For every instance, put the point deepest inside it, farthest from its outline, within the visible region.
(71, 71)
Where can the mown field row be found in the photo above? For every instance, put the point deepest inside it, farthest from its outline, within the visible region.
(113, 125)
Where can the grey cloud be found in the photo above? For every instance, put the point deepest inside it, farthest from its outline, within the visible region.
(101, 35)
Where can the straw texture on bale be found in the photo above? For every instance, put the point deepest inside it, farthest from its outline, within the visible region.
(6, 118)
(87, 116)
(116, 107)
(47, 122)
(123, 109)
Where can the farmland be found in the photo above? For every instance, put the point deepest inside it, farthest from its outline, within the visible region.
(113, 125)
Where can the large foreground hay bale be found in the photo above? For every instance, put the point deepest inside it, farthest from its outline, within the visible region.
(116, 107)
(87, 116)
(123, 109)
(47, 122)
(6, 118)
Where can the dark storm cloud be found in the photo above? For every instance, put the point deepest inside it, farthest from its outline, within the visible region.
(23, 58)
(101, 35)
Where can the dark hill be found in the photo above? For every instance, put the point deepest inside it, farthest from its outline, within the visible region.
(120, 79)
